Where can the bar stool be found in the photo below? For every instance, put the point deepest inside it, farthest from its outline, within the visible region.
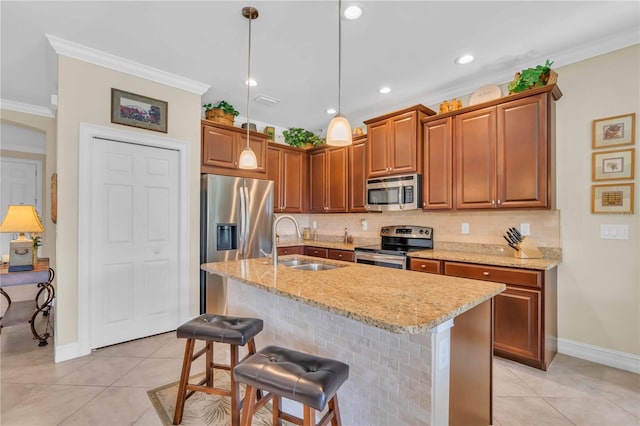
(302, 377)
(233, 331)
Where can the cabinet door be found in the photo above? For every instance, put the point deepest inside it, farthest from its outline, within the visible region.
(283, 251)
(293, 181)
(346, 255)
(475, 153)
(425, 265)
(437, 192)
(517, 322)
(336, 179)
(316, 251)
(274, 173)
(377, 149)
(357, 177)
(219, 147)
(522, 156)
(317, 178)
(259, 147)
(403, 143)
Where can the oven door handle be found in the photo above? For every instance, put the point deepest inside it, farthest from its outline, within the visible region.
(399, 260)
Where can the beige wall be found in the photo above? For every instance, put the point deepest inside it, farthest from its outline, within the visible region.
(84, 96)
(598, 280)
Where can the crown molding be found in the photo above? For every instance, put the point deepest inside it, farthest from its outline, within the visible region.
(116, 63)
(26, 108)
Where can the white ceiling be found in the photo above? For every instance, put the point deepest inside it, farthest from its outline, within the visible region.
(409, 46)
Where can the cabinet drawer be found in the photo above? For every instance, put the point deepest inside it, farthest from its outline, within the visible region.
(346, 255)
(315, 251)
(426, 265)
(523, 277)
(282, 251)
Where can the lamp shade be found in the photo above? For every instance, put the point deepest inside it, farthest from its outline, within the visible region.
(339, 131)
(248, 159)
(21, 219)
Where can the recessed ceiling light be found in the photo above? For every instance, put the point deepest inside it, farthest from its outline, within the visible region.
(384, 90)
(331, 111)
(353, 12)
(464, 59)
(251, 83)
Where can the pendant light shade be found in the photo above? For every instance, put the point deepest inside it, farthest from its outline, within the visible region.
(339, 131)
(248, 159)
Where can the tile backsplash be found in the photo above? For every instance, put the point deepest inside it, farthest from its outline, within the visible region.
(485, 227)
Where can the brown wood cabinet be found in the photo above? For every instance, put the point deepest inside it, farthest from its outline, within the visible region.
(346, 255)
(316, 251)
(221, 148)
(425, 265)
(525, 315)
(437, 182)
(328, 181)
(283, 251)
(501, 155)
(394, 142)
(287, 168)
(358, 175)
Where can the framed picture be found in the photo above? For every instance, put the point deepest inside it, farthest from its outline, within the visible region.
(138, 111)
(612, 199)
(614, 131)
(613, 165)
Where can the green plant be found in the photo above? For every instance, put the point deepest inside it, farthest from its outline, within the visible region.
(223, 105)
(37, 240)
(296, 136)
(531, 77)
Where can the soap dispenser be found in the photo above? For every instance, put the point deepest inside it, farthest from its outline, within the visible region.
(346, 235)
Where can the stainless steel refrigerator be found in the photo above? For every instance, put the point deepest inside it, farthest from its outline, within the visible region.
(236, 215)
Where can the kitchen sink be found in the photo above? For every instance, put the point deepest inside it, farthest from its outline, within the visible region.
(295, 262)
(315, 267)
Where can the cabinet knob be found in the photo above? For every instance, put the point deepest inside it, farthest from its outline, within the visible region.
(339, 255)
(485, 273)
(423, 266)
(493, 202)
(499, 202)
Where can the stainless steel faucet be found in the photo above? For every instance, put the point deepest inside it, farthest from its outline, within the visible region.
(276, 220)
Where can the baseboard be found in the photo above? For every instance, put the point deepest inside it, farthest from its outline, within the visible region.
(600, 355)
(67, 352)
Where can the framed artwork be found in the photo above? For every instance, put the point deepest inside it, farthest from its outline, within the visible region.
(614, 131)
(612, 199)
(138, 111)
(613, 165)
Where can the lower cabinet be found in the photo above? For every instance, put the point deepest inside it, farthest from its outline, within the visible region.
(327, 253)
(524, 315)
(316, 251)
(283, 251)
(346, 255)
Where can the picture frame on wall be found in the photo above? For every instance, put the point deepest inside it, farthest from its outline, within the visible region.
(614, 131)
(140, 111)
(613, 165)
(612, 198)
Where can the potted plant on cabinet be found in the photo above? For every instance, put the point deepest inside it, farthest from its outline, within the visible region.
(300, 138)
(532, 77)
(222, 112)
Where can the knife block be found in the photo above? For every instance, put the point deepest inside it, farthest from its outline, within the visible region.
(528, 250)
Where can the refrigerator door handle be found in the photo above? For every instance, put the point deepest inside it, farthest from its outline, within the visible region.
(247, 221)
(243, 214)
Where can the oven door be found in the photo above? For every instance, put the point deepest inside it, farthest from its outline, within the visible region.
(385, 260)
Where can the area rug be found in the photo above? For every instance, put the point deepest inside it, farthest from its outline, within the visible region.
(203, 408)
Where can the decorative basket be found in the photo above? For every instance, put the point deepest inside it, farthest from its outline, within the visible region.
(219, 116)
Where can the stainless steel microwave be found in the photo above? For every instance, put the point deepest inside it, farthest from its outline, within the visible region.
(394, 193)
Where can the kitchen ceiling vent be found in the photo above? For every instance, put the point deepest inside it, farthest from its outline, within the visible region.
(267, 100)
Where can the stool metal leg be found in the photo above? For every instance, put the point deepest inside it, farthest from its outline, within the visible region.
(184, 378)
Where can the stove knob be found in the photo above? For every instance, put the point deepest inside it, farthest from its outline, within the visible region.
(422, 231)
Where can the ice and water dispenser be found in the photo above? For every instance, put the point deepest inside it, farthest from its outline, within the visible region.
(227, 236)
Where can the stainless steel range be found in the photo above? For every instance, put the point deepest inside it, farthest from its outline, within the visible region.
(397, 242)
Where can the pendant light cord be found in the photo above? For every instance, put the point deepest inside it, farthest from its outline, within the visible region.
(249, 76)
(339, 55)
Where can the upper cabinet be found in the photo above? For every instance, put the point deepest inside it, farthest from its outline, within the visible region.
(502, 155)
(394, 142)
(358, 174)
(287, 168)
(221, 148)
(328, 181)
(437, 182)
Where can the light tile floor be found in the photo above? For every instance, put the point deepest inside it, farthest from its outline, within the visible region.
(109, 387)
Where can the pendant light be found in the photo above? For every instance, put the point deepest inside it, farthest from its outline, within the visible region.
(339, 131)
(248, 158)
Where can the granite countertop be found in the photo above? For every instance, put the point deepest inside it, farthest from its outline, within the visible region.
(486, 259)
(317, 243)
(405, 302)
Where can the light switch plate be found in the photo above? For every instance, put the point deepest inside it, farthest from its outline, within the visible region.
(464, 228)
(614, 232)
(525, 229)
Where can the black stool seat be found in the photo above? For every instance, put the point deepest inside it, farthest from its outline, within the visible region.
(308, 379)
(222, 329)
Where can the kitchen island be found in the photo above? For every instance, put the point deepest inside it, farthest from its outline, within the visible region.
(394, 329)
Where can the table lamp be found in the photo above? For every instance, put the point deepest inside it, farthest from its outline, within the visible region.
(21, 219)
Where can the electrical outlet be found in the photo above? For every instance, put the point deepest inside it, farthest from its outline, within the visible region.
(364, 224)
(464, 228)
(525, 229)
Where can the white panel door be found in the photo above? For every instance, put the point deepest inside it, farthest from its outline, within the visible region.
(19, 184)
(134, 245)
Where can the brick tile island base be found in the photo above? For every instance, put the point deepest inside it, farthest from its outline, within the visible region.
(418, 346)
